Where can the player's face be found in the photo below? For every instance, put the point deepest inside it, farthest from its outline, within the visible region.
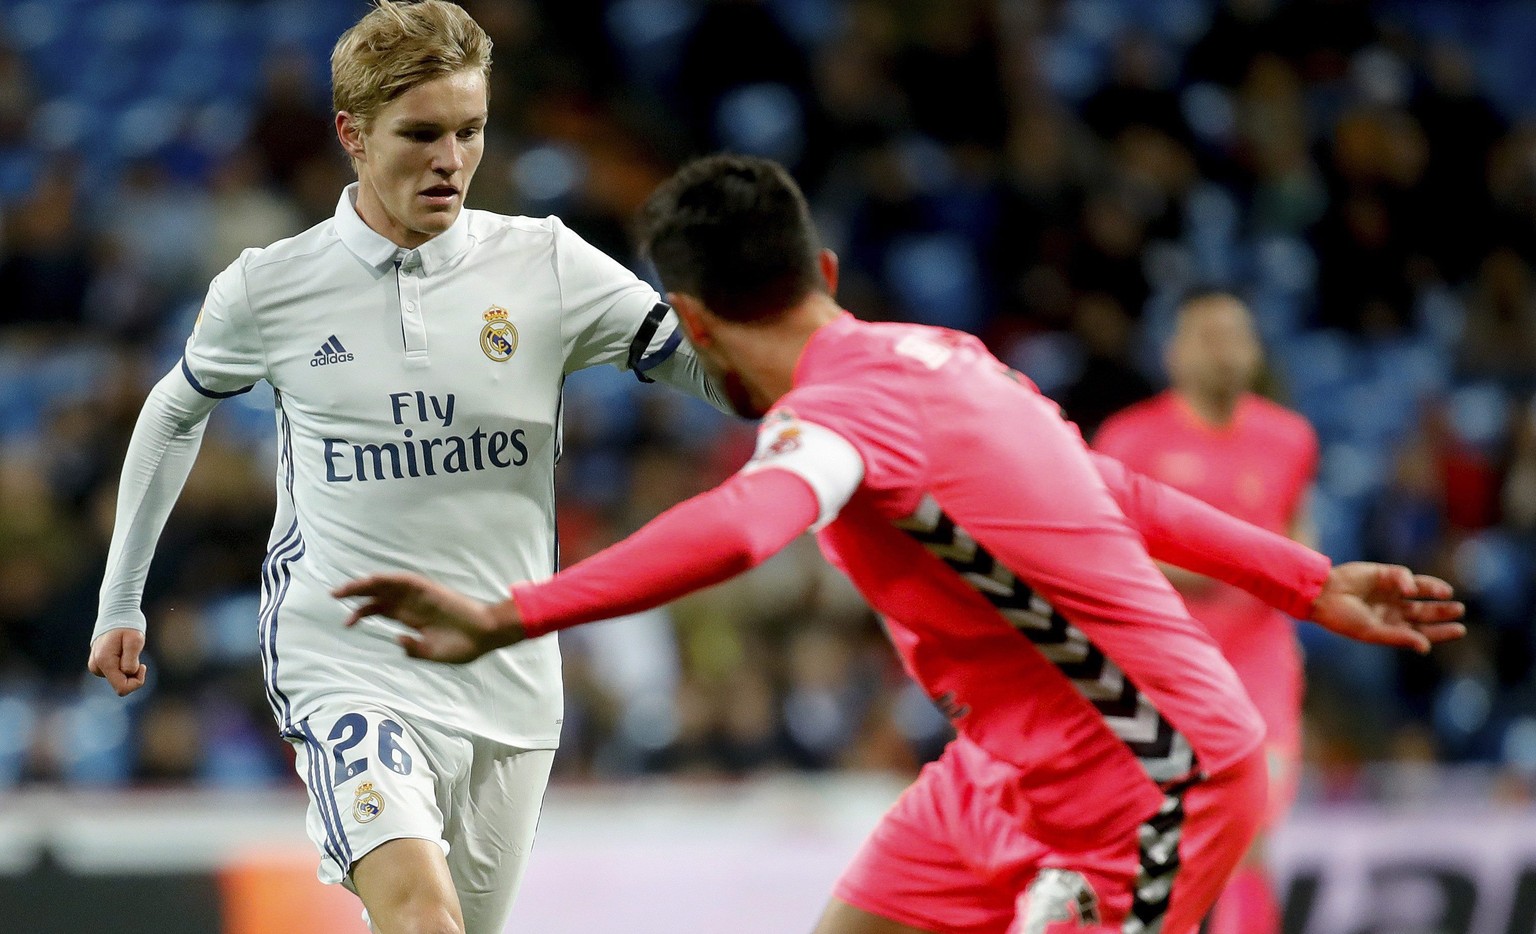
(697, 324)
(418, 156)
(1215, 351)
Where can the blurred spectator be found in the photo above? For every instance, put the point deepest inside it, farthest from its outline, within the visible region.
(1408, 523)
(861, 103)
(292, 124)
(1321, 36)
(46, 263)
(741, 72)
(1107, 257)
(18, 96)
(160, 224)
(1455, 190)
(122, 298)
(518, 34)
(1519, 494)
(1512, 184)
(1289, 192)
(1500, 338)
(1239, 34)
(246, 213)
(1107, 382)
(949, 71)
(1139, 93)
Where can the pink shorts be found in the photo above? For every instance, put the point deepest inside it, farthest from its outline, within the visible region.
(947, 858)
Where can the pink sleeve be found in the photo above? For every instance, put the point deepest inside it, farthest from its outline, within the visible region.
(1188, 533)
(702, 541)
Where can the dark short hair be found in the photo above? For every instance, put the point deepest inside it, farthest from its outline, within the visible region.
(736, 233)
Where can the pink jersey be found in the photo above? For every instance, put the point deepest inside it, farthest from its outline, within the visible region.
(1258, 469)
(1013, 587)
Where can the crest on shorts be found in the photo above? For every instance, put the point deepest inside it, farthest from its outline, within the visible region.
(1060, 896)
(499, 337)
(368, 805)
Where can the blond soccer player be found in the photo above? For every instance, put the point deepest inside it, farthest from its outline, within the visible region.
(415, 350)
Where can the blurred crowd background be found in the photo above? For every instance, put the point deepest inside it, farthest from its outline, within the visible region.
(1050, 174)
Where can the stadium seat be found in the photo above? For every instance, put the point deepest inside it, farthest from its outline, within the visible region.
(18, 717)
(937, 279)
(96, 743)
(649, 35)
(1480, 414)
(1495, 569)
(762, 120)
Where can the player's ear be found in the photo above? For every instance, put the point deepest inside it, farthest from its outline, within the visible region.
(827, 261)
(350, 132)
(690, 311)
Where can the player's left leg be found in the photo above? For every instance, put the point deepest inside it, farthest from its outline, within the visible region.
(1248, 905)
(406, 888)
(1217, 821)
(490, 829)
(378, 787)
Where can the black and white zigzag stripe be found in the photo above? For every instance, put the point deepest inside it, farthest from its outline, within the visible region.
(1163, 751)
(1159, 839)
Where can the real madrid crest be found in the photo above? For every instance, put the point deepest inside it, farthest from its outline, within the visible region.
(368, 805)
(498, 338)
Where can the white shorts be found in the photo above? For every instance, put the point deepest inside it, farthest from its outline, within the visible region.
(374, 776)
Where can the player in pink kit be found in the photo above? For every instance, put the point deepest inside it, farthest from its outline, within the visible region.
(1211, 437)
(1107, 776)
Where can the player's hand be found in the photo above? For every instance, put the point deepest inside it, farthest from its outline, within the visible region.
(450, 627)
(115, 656)
(1388, 604)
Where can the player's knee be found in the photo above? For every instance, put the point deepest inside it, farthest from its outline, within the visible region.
(416, 910)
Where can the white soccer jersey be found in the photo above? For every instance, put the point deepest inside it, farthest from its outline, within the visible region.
(418, 414)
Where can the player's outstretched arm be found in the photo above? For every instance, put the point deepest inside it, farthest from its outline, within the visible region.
(1388, 604)
(164, 446)
(702, 541)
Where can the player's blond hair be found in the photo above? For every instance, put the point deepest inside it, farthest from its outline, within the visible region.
(399, 45)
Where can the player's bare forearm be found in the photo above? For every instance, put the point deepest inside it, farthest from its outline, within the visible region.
(1389, 605)
(449, 626)
(160, 455)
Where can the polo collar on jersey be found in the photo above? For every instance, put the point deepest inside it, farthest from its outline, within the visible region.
(379, 251)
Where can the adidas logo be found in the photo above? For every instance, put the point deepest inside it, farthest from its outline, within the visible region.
(330, 352)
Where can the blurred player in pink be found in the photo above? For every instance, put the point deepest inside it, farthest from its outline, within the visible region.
(1108, 775)
(1210, 436)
